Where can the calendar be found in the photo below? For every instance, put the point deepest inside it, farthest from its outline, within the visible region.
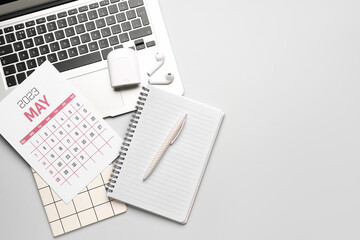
(54, 129)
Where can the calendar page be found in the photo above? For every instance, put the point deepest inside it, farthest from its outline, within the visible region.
(51, 126)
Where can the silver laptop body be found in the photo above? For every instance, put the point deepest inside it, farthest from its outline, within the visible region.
(76, 37)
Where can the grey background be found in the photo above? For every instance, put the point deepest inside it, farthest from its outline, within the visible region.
(286, 162)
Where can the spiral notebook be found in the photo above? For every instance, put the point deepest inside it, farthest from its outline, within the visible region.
(171, 189)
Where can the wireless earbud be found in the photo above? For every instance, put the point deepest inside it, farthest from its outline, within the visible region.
(169, 78)
(160, 58)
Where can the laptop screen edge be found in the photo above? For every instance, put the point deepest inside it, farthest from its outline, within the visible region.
(33, 9)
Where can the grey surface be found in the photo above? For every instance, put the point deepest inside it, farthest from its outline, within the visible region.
(286, 162)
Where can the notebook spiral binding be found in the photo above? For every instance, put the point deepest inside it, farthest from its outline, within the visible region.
(127, 139)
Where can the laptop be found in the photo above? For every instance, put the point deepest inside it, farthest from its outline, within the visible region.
(76, 36)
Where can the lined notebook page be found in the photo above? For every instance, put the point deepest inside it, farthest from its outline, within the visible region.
(171, 188)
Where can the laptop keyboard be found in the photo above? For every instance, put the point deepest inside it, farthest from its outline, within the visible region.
(73, 38)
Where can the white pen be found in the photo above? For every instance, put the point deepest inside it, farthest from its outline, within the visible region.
(170, 139)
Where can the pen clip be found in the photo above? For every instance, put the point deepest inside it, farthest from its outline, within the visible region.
(178, 133)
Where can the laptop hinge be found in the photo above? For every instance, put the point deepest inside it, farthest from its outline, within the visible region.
(33, 9)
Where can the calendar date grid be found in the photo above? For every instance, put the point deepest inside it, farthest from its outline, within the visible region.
(82, 149)
(73, 159)
(91, 127)
(51, 163)
(60, 155)
(85, 119)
